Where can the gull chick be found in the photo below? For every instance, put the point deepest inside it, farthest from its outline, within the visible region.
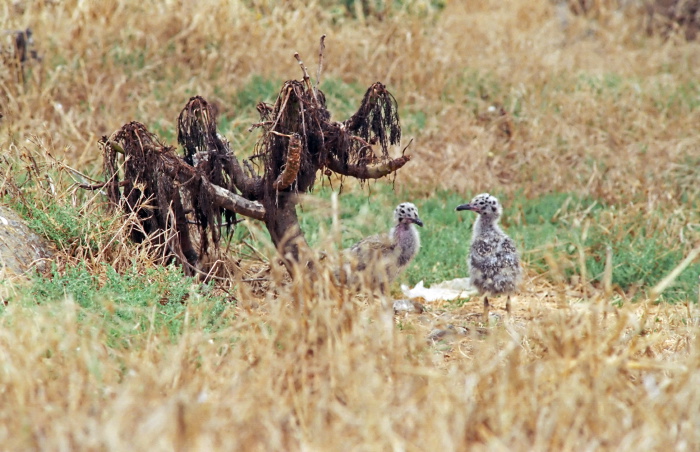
(383, 257)
(494, 265)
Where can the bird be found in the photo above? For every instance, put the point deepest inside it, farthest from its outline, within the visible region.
(382, 257)
(494, 264)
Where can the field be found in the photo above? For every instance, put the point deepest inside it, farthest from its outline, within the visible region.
(584, 126)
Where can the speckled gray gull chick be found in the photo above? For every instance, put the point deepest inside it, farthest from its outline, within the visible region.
(383, 257)
(494, 264)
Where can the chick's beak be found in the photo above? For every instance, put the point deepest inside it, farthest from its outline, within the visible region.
(466, 207)
(418, 222)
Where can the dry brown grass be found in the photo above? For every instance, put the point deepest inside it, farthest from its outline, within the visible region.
(90, 83)
(305, 372)
(597, 108)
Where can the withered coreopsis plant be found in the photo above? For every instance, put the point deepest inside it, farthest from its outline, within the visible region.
(196, 195)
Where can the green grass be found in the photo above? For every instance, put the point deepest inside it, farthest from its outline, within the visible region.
(342, 99)
(127, 303)
(676, 100)
(554, 224)
(472, 87)
(67, 226)
(166, 131)
(601, 85)
(130, 58)
(413, 121)
(257, 89)
(132, 303)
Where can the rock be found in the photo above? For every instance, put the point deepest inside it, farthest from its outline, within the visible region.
(20, 248)
(408, 306)
(449, 332)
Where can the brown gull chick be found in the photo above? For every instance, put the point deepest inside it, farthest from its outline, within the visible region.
(385, 256)
(494, 265)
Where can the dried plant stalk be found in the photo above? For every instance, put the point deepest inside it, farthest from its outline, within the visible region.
(289, 174)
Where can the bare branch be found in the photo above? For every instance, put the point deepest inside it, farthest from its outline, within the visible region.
(307, 80)
(232, 201)
(94, 187)
(248, 185)
(289, 89)
(376, 171)
(184, 173)
(72, 171)
(259, 124)
(322, 47)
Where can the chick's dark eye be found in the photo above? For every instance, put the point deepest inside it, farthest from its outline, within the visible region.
(493, 208)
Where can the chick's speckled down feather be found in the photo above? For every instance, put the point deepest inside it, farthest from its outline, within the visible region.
(493, 262)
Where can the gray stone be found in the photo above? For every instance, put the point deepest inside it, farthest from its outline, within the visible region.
(20, 248)
(449, 332)
(405, 305)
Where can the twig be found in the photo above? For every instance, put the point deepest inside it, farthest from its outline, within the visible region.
(403, 151)
(307, 79)
(101, 185)
(282, 107)
(258, 124)
(281, 134)
(249, 167)
(188, 181)
(74, 171)
(255, 251)
(361, 140)
(322, 47)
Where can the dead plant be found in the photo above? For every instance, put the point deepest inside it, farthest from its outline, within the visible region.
(209, 183)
